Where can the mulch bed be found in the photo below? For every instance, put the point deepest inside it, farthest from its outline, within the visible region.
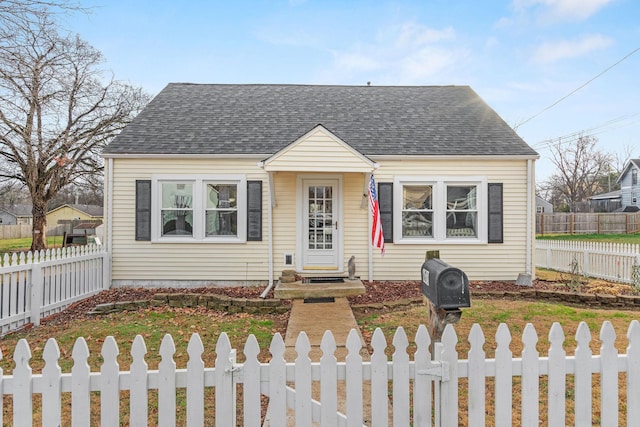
(376, 292)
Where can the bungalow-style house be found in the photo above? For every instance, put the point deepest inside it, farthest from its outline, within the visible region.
(542, 206)
(232, 184)
(16, 214)
(67, 216)
(629, 185)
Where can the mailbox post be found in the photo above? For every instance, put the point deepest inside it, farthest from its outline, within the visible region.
(445, 290)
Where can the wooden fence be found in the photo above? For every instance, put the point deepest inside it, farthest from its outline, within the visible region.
(611, 261)
(16, 231)
(588, 223)
(512, 386)
(38, 284)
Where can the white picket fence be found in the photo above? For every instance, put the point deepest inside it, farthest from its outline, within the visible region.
(33, 285)
(289, 385)
(609, 261)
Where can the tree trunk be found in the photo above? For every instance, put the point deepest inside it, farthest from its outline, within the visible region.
(39, 230)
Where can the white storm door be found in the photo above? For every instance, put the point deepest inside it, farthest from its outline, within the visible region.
(320, 224)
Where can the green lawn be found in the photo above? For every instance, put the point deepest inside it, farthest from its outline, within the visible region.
(614, 238)
(17, 245)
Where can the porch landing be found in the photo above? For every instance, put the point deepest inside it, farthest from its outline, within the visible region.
(341, 287)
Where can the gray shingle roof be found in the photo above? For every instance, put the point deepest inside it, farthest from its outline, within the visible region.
(262, 119)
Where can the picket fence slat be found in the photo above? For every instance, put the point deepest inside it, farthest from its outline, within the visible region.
(400, 375)
(609, 376)
(633, 372)
(557, 377)
(51, 374)
(252, 383)
(80, 384)
(328, 388)
(303, 381)
(110, 384)
(353, 377)
(422, 397)
(288, 385)
(379, 381)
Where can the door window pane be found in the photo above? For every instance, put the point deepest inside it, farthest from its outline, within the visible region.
(320, 221)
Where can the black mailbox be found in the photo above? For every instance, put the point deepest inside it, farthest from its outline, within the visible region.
(446, 287)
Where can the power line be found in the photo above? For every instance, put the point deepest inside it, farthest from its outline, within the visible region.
(577, 89)
(595, 130)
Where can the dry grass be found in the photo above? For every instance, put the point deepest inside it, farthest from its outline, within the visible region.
(516, 314)
(153, 324)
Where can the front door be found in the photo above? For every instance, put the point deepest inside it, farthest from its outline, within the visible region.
(320, 228)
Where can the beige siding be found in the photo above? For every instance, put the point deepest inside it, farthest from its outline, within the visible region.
(135, 261)
(318, 152)
(65, 213)
(248, 262)
(496, 261)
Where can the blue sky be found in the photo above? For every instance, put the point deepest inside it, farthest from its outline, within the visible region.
(520, 56)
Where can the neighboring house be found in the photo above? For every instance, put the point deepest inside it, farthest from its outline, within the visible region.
(542, 206)
(74, 213)
(605, 202)
(16, 214)
(7, 218)
(629, 184)
(231, 184)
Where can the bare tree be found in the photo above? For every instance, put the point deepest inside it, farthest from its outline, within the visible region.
(57, 110)
(580, 168)
(13, 11)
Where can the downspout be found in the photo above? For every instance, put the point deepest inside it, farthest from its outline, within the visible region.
(109, 242)
(269, 233)
(530, 237)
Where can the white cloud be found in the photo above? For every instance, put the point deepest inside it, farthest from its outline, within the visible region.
(407, 54)
(556, 51)
(561, 10)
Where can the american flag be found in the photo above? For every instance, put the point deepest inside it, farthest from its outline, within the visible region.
(377, 239)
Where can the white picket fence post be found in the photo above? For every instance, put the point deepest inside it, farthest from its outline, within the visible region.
(288, 385)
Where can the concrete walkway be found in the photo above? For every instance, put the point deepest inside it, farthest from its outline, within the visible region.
(314, 318)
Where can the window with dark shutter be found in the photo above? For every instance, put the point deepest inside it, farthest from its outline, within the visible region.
(143, 210)
(254, 210)
(385, 202)
(495, 225)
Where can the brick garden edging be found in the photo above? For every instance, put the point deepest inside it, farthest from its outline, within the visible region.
(278, 306)
(212, 301)
(629, 302)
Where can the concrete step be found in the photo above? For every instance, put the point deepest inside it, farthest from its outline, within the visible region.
(299, 290)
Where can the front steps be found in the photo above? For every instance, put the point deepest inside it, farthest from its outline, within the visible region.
(293, 286)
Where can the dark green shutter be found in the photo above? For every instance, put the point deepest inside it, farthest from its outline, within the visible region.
(143, 210)
(385, 202)
(254, 210)
(495, 220)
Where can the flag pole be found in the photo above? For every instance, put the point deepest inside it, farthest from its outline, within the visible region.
(369, 242)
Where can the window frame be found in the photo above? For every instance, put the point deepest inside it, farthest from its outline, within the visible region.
(439, 185)
(199, 208)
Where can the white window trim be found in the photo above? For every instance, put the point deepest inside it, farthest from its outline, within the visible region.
(199, 196)
(439, 184)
